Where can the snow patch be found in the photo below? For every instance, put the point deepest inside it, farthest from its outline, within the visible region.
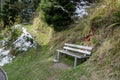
(25, 41)
(81, 8)
(5, 57)
(3, 42)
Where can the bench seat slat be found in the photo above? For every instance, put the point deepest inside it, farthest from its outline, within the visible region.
(78, 50)
(78, 46)
(71, 54)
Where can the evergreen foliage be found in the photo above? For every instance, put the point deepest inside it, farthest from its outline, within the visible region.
(58, 13)
(15, 11)
(9, 11)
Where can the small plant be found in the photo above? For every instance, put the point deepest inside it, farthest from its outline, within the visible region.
(116, 16)
(93, 40)
(15, 33)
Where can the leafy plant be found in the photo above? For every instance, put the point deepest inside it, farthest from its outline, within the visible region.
(15, 33)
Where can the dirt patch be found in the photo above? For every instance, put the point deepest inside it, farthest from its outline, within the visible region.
(58, 67)
(61, 66)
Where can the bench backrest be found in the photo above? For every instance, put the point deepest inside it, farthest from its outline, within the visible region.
(78, 48)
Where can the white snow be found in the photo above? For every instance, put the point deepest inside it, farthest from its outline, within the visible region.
(81, 8)
(24, 41)
(4, 52)
(4, 57)
(16, 26)
(3, 42)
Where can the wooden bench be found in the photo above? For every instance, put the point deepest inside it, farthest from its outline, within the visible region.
(76, 51)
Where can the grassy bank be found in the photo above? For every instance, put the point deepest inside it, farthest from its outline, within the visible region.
(100, 29)
(41, 32)
(31, 65)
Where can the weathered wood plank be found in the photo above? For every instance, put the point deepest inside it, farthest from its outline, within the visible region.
(58, 56)
(71, 54)
(78, 46)
(75, 62)
(78, 50)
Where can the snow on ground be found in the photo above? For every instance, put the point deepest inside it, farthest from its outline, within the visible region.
(4, 57)
(3, 42)
(23, 42)
(81, 8)
(26, 41)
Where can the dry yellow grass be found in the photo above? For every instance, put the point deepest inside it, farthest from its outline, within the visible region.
(40, 31)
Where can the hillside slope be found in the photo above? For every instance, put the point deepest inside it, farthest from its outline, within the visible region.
(100, 29)
(104, 36)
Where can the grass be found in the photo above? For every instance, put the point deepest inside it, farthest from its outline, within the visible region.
(102, 65)
(73, 74)
(32, 65)
(40, 31)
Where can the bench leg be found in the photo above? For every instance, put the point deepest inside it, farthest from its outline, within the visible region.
(58, 56)
(75, 62)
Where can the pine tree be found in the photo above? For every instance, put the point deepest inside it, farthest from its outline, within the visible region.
(58, 13)
(9, 11)
(17, 10)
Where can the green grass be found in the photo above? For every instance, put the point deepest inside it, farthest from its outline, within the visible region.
(102, 65)
(40, 31)
(75, 73)
(31, 65)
